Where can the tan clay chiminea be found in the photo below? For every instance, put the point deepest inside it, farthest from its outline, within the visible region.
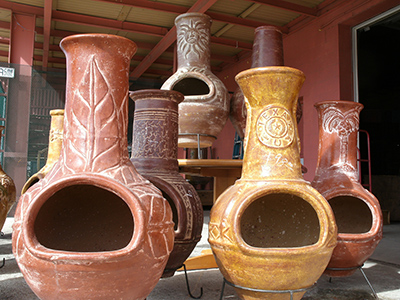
(54, 149)
(271, 233)
(267, 51)
(7, 192)
(205, 109)
(357, 211)
(93, 228)
(154, 154)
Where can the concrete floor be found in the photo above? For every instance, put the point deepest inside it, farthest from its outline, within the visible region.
(382, 270)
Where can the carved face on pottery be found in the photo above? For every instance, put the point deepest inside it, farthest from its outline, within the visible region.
(193, 37)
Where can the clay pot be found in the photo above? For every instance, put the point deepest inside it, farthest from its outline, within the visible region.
(93, 228)
(357, 211)
(154, 154)
(54, 149)
(267, 51)
(271, 231)
(205, 109)
(7, 192)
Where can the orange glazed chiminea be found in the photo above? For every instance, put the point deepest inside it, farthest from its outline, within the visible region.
(357, 211)
(272, 233)
(93, 228)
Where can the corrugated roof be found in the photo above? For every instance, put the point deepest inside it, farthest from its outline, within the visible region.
(146, 23)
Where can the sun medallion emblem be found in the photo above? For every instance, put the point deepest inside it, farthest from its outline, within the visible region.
(275, 127)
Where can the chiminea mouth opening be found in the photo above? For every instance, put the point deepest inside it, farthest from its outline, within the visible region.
(84, 218)
(173, 208)
(280, 220)
(191, 86)
(352, 214)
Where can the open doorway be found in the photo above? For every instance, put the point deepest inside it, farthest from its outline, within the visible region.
(377, 85)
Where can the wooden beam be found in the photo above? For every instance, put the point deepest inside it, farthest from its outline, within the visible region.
(74, 18)
(300, 9)
(168, 40)
(48, 8)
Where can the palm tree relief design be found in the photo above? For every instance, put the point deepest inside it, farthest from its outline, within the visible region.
(343, 124)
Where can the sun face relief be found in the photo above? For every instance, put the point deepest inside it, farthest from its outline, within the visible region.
(275, 127)
(193, 37)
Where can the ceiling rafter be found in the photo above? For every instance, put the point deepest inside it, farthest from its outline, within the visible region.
(300, 9)
(178, 9)
(168, 40)
(48, 8)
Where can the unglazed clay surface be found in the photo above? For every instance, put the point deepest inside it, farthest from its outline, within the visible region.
(357, 211)
(154, 154)
(205, 108)
(93, 228)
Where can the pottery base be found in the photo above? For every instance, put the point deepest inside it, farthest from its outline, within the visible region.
(250, 295)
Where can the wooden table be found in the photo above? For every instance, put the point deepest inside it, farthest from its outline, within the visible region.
(224, 171)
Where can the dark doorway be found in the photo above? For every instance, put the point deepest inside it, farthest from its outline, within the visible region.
(378, 57)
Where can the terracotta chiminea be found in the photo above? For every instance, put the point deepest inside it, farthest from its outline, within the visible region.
(205, 109)
(272, 234)
(54, 149)
(267, 51)
(7, 192)
(93, 228)
(357, 211)
(154, 154)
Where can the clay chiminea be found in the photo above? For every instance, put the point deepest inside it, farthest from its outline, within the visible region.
(267, 51)
(7, 192)
(54, 149)
(357, 211)
(271, 233)
(93, 228)
(205, 109)
(154, 154)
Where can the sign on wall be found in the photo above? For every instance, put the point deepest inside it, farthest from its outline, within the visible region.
(7, 72)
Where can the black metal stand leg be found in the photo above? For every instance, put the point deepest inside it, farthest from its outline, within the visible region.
(222, 290)
(362, 272)
(4, 260)
(188, 287)
(369, 284)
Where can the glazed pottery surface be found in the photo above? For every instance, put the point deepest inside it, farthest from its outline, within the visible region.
(154, 154)
(357, 211)
(267, 51)
(93, 228)
(271, 230)
(205, 108)
(54, 149)
(7, 192)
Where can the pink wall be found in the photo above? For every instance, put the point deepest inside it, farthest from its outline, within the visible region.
(322, 50)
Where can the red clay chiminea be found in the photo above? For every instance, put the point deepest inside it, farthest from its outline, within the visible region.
(154, 154)
(357, 211)
(93, 228)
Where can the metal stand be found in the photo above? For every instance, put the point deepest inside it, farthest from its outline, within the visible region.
(362, 272)
(188, 287)
(4, 260)
(198, 140)
(264, 291)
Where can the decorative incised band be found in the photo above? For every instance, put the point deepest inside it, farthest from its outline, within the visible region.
(275, 128)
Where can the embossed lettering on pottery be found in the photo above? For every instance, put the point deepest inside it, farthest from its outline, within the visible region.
(193, 37)
(275, 127)
(343, 124)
